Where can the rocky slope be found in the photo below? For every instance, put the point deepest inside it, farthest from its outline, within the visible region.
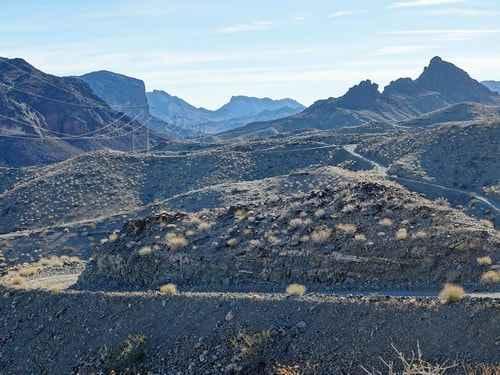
(440, 85)
(458, 156)
(103, 183)
(239, 111)
(44, 118)
(351, 230)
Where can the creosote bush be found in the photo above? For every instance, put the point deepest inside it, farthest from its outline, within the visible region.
(297, 290)
(176, 241)
(491, 277)
(402, 234)
(451, 293)
(484, 261)
(347, 228)
(168, 289)
(321, 235)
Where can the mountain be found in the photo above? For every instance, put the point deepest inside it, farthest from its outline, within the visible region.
(492, 85)
(128, 95)
(440, 85)
(239, 111)
(44, 118)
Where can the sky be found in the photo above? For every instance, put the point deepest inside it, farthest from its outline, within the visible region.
(206, 51)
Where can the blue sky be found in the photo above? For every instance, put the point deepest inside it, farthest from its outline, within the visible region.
(208, 50)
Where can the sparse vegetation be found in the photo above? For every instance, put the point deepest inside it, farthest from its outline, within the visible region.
(485, 261)
(321, 235)
(176, 241)
(491, 277)
(168, 289)
(129, 355)
(347, 228)
(451, 293)
(402, 234)
(297, 290)
(386, 222)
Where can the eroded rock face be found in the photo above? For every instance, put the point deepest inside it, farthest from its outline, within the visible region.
(361, 96)
(350, 231)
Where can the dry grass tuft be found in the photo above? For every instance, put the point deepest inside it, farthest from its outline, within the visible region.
(168, 289)
(321, 235)
(491, 277)
(360, 237)
(176, 241)
(386, 222)
(347, 228)
(451, 293)
(145, 250)
(297, 290)
(233, 242)
(484, 261)
(402, 234)
(241, 214)
(204, 226)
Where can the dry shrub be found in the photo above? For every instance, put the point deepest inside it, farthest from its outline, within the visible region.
(347, 228)
(233, 242)
(241, 214)
(415, 365)
(176, 241)
(145, 250)
(491, 277)
(482, 370)
(386, 222)
(484, 261)
(113, 237)
(297, 290)
(17, 280)
(168, 289)
(360, 237)
(402, 234)
(451, 293)
(319, 213)
(204, 226)
(286, 370)
(321, 235)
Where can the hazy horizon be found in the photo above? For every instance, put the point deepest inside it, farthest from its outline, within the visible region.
(205, 51)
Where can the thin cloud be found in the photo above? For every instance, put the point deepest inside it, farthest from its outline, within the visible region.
(423, 3)
(342, 13)
(246, 27)
(402, 50)
(446, 34)
(464, 12)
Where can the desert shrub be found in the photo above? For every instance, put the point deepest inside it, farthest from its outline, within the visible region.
(490, 277)
(233, 242)
(204, 226)
(127, 356)
(420, 235)
(241, 214)
(113, 237)
(484, 261)
(168, 289)
(319, 213)
(347, 228)
(321, 235)
(297, 290)
(176, 241)
(145, 250)
(451, 293)
(402, 234)
(360, 237)
(386, 222)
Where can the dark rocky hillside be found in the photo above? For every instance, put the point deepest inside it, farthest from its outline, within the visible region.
(44, 118)
(492, 85)
(351, 230)
(458, 156)
(440, 85)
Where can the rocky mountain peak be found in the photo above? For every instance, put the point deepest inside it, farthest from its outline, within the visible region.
(360, 96)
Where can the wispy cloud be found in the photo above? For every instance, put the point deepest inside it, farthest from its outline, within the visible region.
(246, 27)
(402, 50)
(342, 13)
(446, 34)
(463, 12)
(423, 3)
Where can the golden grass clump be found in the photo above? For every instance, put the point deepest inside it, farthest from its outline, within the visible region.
(113, 237)
(17, 280)
(451, 293)
(241, 214)
(321, 235)
(484, 261)
(233, 242)
(169, 289)
(386, 222)
(347, 228)
(402, 234)
(145, 250)
(176, 241)
(360, 237)
(297, 290)
(491, 277)
(204, 226)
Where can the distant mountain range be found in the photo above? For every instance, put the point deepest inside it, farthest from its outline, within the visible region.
(128, 95)
(44, 118)
(442, 84)
(239, 111)
(492, 85)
